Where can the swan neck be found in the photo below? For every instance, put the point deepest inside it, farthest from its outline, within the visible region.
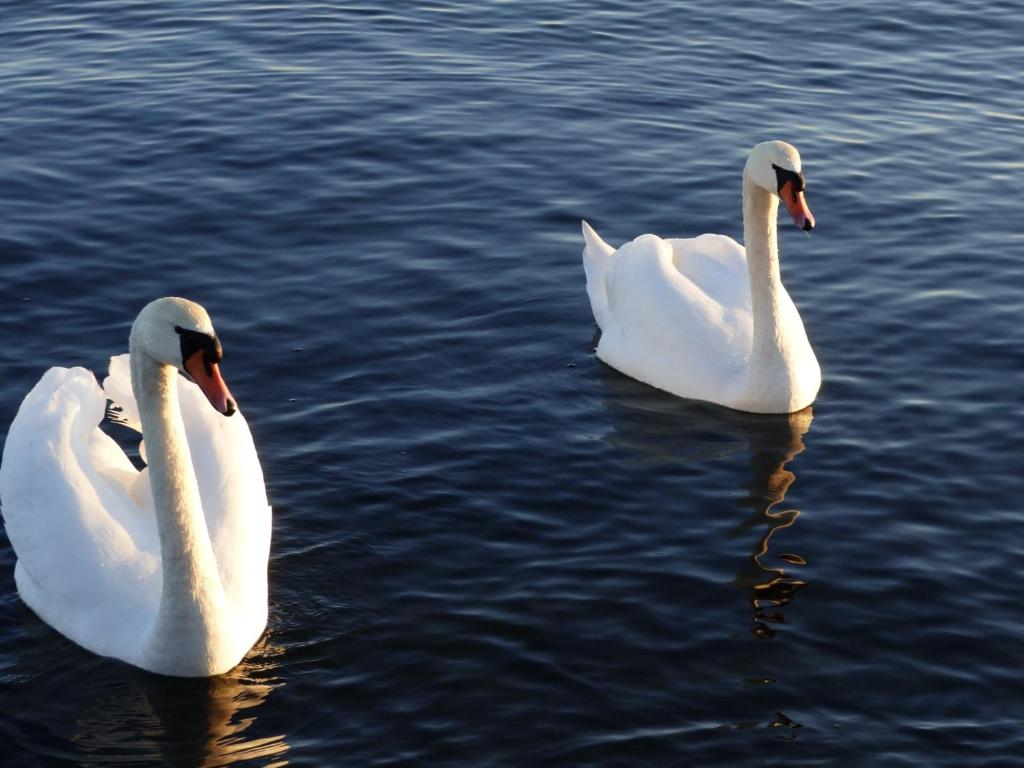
(760, 212)
(191, 595)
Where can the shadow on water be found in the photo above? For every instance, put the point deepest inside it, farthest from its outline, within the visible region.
(95, 711)
(657, 429)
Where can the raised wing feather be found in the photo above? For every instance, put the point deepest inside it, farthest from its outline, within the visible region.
(680, 312)
(87, 555)
(717, 265)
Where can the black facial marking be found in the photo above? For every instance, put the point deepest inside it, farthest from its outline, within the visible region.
(194, 341)
(782, 176)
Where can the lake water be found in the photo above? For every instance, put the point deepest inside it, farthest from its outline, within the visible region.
(489, 548)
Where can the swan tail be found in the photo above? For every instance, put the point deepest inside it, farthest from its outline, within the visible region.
(597, 259)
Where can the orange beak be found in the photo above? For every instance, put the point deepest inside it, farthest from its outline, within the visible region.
(207, 376)
(797, 205)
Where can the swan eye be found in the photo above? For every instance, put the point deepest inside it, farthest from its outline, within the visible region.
(195, 341)
(782, 176)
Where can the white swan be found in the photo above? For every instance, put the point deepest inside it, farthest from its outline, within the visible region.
(165, 568)
(703, 319)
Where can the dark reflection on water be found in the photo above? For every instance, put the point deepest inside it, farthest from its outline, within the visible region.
(663, 429)
(773, 443)
(106, 712)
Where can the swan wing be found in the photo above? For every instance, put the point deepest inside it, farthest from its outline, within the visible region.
(716, 265)
(679, 314)
(231, 488)
(88, 556)
(234, 500)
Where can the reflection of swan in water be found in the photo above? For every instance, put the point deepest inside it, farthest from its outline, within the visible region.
(187, 721)
(659, 428)
(772, 445)
(663, 429)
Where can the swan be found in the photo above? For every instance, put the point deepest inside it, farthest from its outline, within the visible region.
(164, 568)
(703, 318)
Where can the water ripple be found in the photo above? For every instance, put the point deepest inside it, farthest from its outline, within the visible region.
(489, 548)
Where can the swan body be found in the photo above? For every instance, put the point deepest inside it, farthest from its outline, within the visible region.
(164, 568)
(704, 317)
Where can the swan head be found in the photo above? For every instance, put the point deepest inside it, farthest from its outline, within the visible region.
(775, 166)
(178, 332)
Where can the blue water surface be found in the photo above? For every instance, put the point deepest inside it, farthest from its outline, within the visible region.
(489, 548)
